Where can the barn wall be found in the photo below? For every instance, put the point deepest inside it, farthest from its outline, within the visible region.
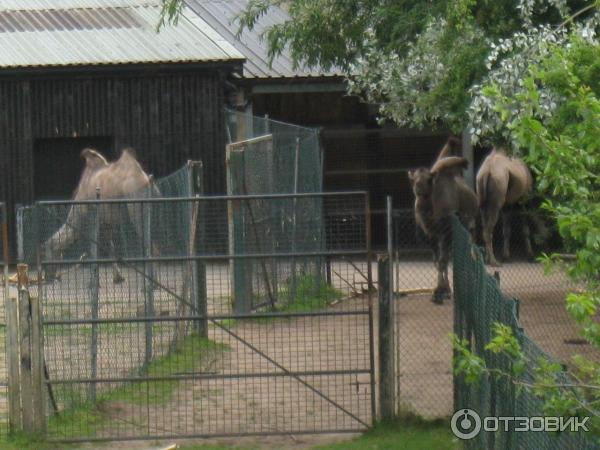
(359, 154)
(168, 118)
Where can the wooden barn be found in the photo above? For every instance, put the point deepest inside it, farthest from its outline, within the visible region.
(358, 152)
(77, 73)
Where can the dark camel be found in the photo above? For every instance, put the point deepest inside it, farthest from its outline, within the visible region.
(441, 192)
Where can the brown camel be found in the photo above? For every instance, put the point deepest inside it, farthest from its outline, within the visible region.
(502, 181)
(119, 179)
(440, 193)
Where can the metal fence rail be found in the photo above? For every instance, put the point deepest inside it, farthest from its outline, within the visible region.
(170, 350)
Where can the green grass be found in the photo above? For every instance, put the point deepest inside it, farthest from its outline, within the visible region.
(194, 354)
(402, 435)
(409, 433)
(217, 447)
(22, 441)
(412, 434)
(311, 294)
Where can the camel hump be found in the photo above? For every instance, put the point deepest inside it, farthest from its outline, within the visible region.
(93, 159)
(450, 163)
(128, 161)
(129, 152)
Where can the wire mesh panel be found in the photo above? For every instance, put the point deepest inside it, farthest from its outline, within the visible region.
(480, 303)
(164, 351)
(423, 350)
(293, 153)
(266, 156)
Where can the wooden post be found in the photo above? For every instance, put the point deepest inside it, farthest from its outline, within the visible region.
(37, 367)
(387, 379)
(148, 279)
(241, 299)
(196, 240)
(94, 296)
(25, 348)
(12, 330)
(12, 353)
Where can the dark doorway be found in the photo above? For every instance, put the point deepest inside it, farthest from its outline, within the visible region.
(58, 164)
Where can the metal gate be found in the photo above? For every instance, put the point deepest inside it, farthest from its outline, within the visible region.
(166, 350)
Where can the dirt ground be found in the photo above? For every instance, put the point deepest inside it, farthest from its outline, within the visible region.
(240, 402)
(424, 351)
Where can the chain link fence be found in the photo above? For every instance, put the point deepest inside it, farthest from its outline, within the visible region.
(278, 157)
(424, 353)
(168, 349)
(265, 157)
(479, 304)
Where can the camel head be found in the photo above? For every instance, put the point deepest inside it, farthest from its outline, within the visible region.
(452, 165)
(421, 181)
(452, 147)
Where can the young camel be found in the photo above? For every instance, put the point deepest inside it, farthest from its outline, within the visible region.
(441, 192)
(119, 179)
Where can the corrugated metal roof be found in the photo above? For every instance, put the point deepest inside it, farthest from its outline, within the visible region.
(221, 14)
(39, 33)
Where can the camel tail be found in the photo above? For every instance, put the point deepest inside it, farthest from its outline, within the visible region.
(482, 188)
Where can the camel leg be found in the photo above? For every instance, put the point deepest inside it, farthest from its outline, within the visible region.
(471, 226)
(527, 238)
(50, 269)
(489, 218)
(442, 289)
(117, 276)
(506, 230)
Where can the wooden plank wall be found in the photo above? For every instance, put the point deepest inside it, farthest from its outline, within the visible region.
(168, 118)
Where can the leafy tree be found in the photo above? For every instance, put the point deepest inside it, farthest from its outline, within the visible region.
(557, 127)
(422, 61)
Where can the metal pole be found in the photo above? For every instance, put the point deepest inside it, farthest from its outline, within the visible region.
(370, 294)
(390, 240)
(94, 296)
(20, 243)
(386, 342)
(149, 278)
(293, 281)
(199, 296)
(387, 378)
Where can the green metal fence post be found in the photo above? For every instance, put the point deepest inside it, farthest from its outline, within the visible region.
(149, 275)
(387, 365)
(241, 297)
(196, 244)
(94, 296)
